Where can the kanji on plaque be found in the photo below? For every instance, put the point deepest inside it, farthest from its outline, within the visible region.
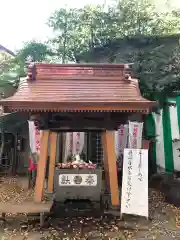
(90, 180)
(65, 180)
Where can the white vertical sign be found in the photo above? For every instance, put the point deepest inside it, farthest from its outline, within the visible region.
(135, 134)
(134, 199)
(32, 137)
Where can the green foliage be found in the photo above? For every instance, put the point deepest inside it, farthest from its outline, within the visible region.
(12, 68)
(77, 30)
(37, 51)
(158, 70)
(140, 17)
(93, 29)
(64, 22)
(156, 63)
(8, 69)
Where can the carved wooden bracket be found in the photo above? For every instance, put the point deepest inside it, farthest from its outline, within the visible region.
(31, 74)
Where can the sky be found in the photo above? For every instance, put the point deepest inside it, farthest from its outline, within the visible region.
(22, 20)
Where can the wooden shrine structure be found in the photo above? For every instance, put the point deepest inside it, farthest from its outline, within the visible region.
(78, 97)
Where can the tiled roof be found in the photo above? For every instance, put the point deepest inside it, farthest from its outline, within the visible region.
(51, 87)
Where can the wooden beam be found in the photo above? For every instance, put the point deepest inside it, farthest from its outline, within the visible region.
(41, 166)
(109, 146)
(82, 124)
(52, 161)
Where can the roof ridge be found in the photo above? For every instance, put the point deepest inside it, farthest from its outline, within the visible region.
(112, 89)
(76, 71)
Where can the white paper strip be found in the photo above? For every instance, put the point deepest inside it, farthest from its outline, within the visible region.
(78, 142)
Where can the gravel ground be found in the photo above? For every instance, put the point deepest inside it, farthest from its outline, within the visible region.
(164, 221)
(15, 190)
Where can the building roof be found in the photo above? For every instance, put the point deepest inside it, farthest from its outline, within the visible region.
(77, 87)
(4, 49)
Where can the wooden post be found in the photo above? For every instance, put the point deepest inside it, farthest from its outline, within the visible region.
(53, 145)
(109, 146)
(41, 166)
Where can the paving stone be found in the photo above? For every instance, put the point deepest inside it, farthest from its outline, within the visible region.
(162, 237)
(17, 237)
(116, 235)
(34, 236)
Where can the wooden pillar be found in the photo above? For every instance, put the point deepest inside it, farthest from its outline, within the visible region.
(41, 166)
(52, 161)
(110, 158)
